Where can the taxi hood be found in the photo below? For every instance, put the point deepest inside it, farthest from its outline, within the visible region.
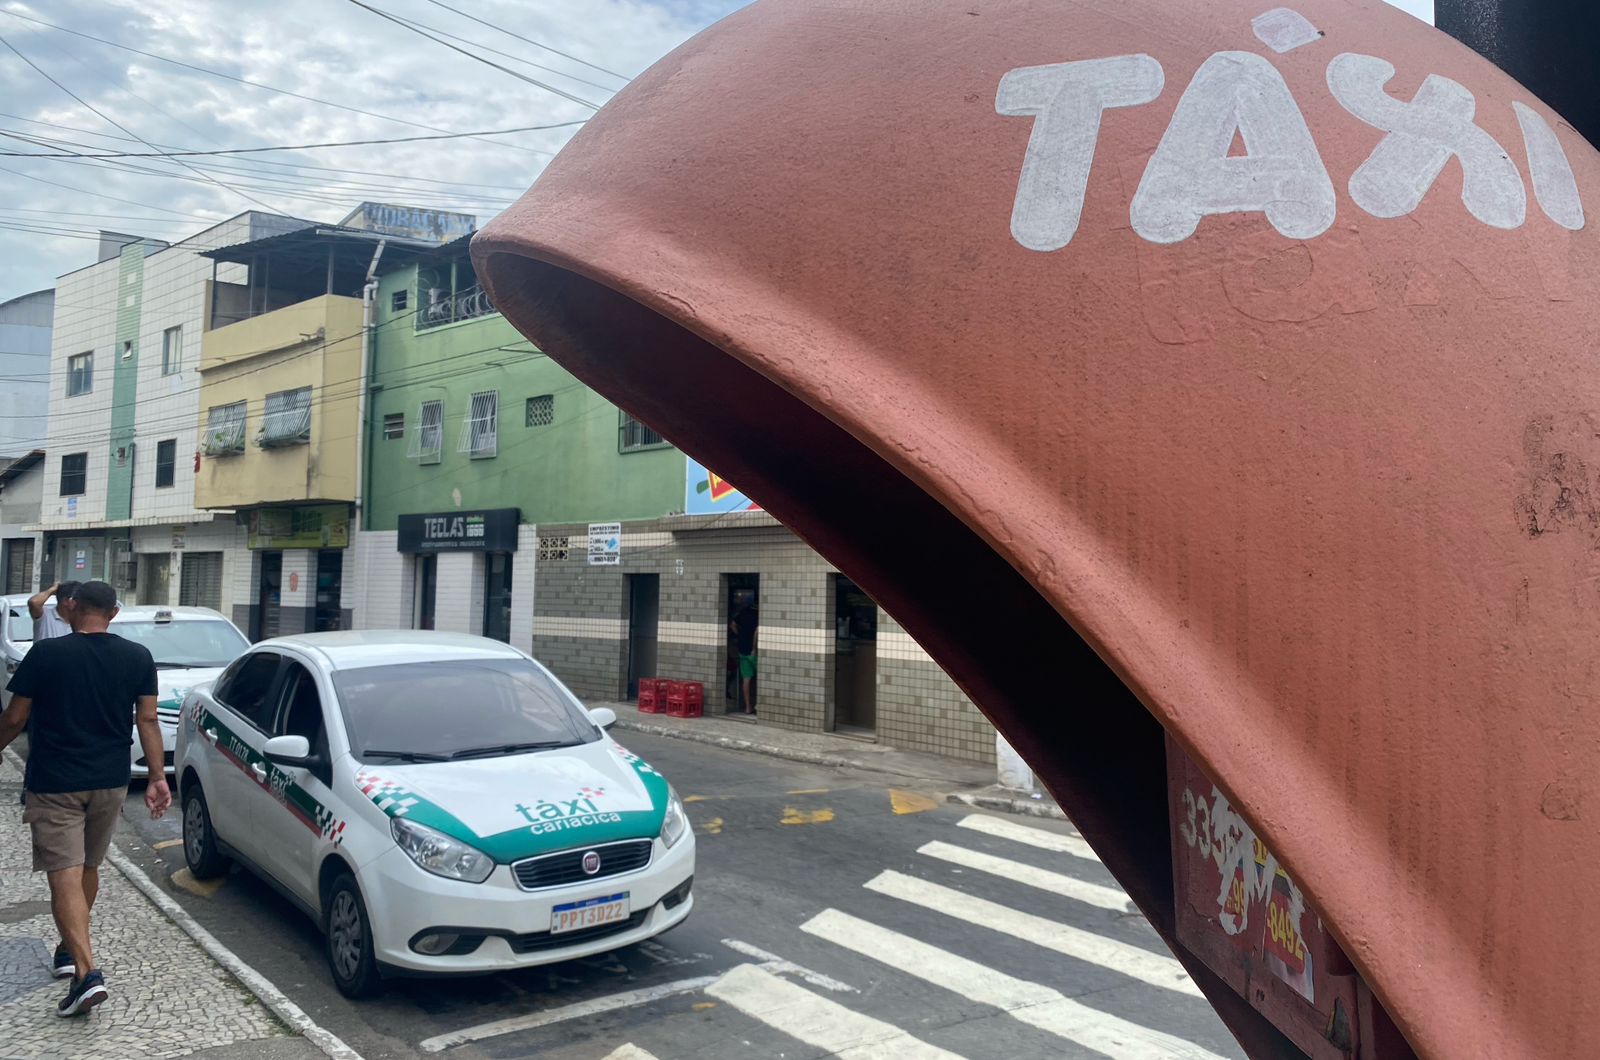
(517, 806)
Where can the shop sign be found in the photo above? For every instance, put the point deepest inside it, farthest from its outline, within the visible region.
(711, 494)
(310, 526)
(605, 544)
(491, 530)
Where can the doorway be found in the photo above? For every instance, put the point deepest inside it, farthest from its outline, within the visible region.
(855, 659)
(155, 573)
(644, 611)
(497, 596)
(330, 589)
(268, 593)
(426, 575)
(741, 597)
(19, 566)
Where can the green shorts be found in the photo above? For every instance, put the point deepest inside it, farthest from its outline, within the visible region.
(747, 666)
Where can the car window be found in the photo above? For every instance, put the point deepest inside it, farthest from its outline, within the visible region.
(246, 690)
(19, 627)
(301, 713)
(190, 642)
(459, 705)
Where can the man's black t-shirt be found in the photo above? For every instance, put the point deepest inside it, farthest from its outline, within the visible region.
(84, 690)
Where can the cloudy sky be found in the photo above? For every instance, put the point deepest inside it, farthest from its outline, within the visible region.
(331, 50)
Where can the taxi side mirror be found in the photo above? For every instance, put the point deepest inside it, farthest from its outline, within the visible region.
(291, 751)
(604, 717)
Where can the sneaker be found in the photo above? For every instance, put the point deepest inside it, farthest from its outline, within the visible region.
(85, 994)
(64, 966)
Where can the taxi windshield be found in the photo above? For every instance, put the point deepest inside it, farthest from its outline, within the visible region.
(181, 644)
(457, 708)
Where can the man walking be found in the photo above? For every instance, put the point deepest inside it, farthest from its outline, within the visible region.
(51, 621)
(80, 693)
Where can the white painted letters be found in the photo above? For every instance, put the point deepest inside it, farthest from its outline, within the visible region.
(1192, 175)
(1066, 101)
(1553, 183)
(1423, 134)
(1284, 30)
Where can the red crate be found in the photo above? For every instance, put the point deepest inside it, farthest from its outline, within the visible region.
(649, 702)
(686, 699)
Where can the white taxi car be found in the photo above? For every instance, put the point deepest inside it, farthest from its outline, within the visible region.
(190, 646)
(437, 802)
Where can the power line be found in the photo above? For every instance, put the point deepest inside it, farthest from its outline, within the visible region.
(254, 84)
(527, 40)
(403, 24)
(284, 147)
(508, 55)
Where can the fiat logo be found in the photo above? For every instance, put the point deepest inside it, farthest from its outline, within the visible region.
(591, 863)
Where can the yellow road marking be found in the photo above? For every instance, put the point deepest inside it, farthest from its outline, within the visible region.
(809, 791)
(701, 1006)
(184, 879)
(167, 844)
(911, 801)
(793, 815)
(694, 798)
(712, 827)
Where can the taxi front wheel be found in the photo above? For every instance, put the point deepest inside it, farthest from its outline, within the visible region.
(349, 938)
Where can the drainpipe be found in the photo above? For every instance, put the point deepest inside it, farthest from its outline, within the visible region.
(369, 294)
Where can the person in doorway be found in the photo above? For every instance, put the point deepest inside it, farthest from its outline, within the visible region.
(743, 628)
(52, 618)
(79, 697)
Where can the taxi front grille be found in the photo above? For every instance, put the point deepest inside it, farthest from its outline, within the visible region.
(566, 867)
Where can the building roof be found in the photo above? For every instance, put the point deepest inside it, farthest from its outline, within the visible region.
(18, 465)
(310, 245)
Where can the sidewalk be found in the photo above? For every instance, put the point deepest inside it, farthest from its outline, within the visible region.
(971, 783)
(168, 997)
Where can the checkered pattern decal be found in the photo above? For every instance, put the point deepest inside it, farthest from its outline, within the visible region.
(390, 796)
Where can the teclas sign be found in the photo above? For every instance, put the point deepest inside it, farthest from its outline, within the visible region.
(494, 530)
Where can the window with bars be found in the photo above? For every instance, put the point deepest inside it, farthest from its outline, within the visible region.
(172, 351)
(427, 440)
(541, 410)
(398, 301)
(80, 374)
(394, 426)
(479, 431)
(166, 462)
(74, 474)
(287, 420)
(632, 435)
(224, 430)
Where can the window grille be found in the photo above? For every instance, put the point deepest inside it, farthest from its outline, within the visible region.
(632, 435)
(288, 418)
(427, 440)
(398, 301)
(394, 426)
(479, 430)
(553, 549)
(541, 411)
(224, 430)
(80, 374)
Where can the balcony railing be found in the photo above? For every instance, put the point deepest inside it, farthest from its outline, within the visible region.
(444, 308)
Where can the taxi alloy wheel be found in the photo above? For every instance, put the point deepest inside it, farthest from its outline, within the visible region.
(349, 941)
(200, 850)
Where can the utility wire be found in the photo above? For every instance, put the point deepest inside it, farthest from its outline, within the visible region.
(403, 24)
(527, 40)
(253, 84)
(284, 147)
(508, 55)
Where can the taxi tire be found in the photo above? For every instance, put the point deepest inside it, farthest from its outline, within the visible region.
(345, 905)
(200, 851)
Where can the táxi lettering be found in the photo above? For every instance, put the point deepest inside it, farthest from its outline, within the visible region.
(1237, 94)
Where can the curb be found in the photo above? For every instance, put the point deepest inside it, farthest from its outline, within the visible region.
(1005, 804)
(292, 1015)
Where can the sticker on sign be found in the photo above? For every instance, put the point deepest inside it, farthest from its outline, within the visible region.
(590, 913)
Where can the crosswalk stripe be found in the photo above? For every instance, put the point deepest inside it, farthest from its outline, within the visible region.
(629, 1052)
(1054, 882)
(1120, 957)
(1034, 837)
(817, 1021)
(1034, 1004)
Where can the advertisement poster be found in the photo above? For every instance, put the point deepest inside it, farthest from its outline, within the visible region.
(605, 544)
(711, 494)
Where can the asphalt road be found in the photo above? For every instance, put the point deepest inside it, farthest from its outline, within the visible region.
(836, 913)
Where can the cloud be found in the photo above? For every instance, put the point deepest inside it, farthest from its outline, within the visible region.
(319, 48)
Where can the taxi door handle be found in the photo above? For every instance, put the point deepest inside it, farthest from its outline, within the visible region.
(259, 770)
(211, 734)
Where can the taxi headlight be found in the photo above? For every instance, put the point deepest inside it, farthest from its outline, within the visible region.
(435, 852)
(676, 824)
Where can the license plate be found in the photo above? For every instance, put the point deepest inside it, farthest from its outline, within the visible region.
(590, 913)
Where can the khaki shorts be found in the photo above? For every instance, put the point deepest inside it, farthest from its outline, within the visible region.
(72, 828)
